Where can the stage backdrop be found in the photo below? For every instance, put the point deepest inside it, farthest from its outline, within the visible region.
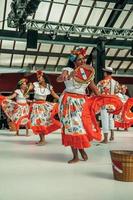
(8, 82)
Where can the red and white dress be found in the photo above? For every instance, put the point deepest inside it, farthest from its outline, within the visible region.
(42, 112)
(125, 117)
(17, 111)
(74, 113)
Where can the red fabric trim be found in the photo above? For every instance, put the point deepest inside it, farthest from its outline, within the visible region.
(102, 100)
(91, 106)
(2, 98)
(82, 141)
(122, 125)
(46, 129)
(127, 115)
(19, 122)
(75, 141)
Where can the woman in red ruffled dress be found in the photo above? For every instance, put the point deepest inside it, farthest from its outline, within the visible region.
(73, 107)
(119, 120)
(17, 111)
(42, 112)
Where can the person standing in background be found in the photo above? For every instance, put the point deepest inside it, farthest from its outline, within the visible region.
(107, 86)
(119, 123)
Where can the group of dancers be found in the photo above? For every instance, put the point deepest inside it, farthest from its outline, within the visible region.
(76, 110)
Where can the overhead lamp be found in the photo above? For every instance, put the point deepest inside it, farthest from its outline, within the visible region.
(53, 35)
(67, 36)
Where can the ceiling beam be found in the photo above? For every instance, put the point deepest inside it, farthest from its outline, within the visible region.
(52, 54)
(76, 41)
(120, 4)
(114, 1)
(110, 1)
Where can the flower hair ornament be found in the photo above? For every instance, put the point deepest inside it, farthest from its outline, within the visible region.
(39, 73)
(21, 81)
(80, 51)
(75, 53)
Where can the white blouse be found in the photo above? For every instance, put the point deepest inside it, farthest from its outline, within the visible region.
(40, 93)
(123, 97)
(20, 98)
(73, 86)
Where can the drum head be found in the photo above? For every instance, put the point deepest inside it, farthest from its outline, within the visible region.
(84, 74)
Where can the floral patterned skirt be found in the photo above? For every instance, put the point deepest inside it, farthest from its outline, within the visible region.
(125, 117)
(42, 117)
(16, 112)
(77, 125)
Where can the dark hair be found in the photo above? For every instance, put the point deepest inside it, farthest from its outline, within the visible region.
(89, 59)
(108, 73)
(70, 64)
(18, 86)
(46, 79)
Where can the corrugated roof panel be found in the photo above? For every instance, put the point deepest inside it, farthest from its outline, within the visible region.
(41, 60)
(8, 9)
(63, 61)
(115, 64)
(56, 48)
(29, 60)
(107, 62)
(124, 65)
(82, 15)
(7, 44)
(131, 67)
(87, 3)
(17, 60)
(52, 60)
(20, 45)
(5, 59)
(111, 52)
(2, 4)
(55, 17)
(129, 23)
(68, 49)
(42, 11)
(74, 1)
(45, 47)
(122, 53)
(94, 17)
(120, 19)
(69, 14)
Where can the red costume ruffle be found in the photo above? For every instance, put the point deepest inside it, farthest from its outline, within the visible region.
(55, 124)
(91, 106)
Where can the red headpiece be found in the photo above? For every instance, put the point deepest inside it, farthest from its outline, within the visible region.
(81, 51)
(39, 73)
(23, 80)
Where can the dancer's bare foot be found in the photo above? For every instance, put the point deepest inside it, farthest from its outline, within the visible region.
(40, 143)
(104, 141)
(85, 157)
(111, 138)
(17, 133)
(83, 154)
(74, 160)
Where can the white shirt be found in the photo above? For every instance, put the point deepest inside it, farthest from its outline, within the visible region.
(40, 93)
(74, 87)
(123, 97)
(20, 98)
